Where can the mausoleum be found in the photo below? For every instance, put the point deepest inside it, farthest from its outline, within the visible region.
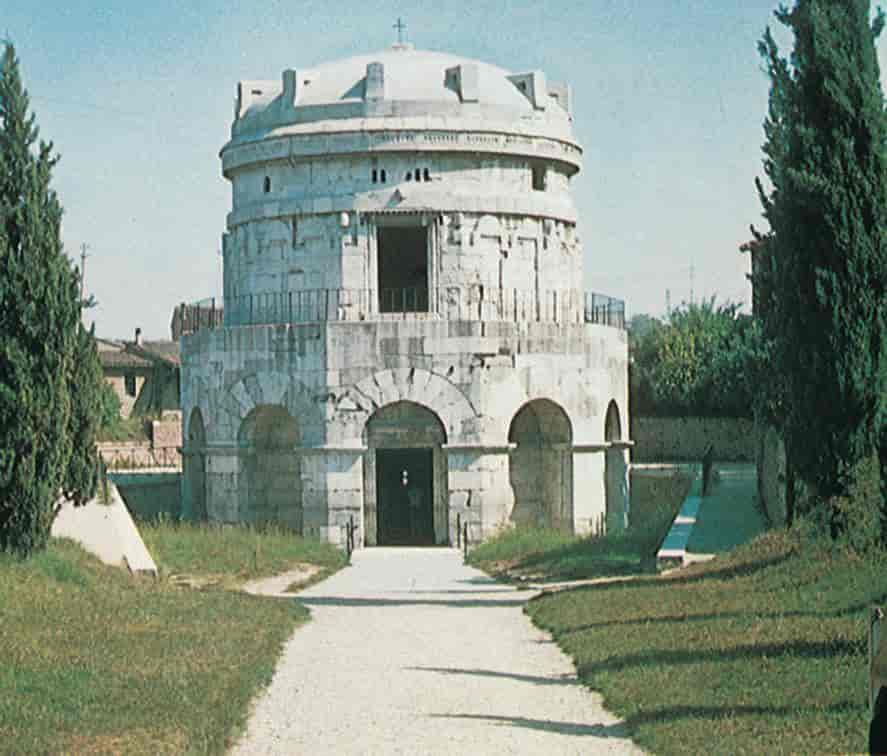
(405, 338)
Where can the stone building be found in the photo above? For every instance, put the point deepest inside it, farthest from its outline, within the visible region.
(405, 337)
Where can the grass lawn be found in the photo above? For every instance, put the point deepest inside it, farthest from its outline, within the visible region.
(524, 553)
(93, 660)
(760, 651)
(231, 555)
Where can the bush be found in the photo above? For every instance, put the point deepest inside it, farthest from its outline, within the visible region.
(855, 521)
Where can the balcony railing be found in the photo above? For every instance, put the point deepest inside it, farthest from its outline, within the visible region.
(471, 303)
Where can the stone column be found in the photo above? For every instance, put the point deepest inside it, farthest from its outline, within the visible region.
(589, 489)
(224, 469)
(479, 488)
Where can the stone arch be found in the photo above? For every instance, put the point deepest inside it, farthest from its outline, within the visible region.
(540, 465)
(268, 389)
(428, 389)
(615, 471)
(409, 434)
(194, 460)
(270, 481)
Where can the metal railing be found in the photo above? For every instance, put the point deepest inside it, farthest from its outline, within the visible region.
(466, 303)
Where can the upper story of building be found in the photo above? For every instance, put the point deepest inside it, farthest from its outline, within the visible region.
(404, 181)
(446, 132)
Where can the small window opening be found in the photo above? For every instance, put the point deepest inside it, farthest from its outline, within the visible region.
(129, 384)
(418, 174)
(427, 174)
(409, 176)
(403, 268)
(375, 176)
(538, 178)
(383, 176)
(522, 86)
(267, 184)
(294, 228)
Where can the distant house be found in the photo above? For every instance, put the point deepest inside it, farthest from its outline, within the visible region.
(144, 374)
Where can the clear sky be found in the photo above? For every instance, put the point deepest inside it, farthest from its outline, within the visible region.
(138, 99)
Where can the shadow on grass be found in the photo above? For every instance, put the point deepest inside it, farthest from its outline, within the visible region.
(678, 713)
(546, 725)
(533, 679)
(795, 649)
(654, 716)
(680, 619)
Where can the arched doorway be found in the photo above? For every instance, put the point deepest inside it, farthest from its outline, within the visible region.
(270, 484)
(615, 471)
(540, 466)
(195, 462)
(405, 477)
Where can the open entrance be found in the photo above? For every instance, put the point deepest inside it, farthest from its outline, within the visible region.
(403, 268)
(404, 492)
(405, 477)
(540, 466)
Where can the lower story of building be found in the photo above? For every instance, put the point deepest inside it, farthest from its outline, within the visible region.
(409, 440)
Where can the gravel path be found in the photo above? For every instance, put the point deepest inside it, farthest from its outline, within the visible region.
(410, 652)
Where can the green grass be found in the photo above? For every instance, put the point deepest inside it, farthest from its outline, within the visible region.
(531, 553)
(760, 651)
(93, 660)
(234, 553)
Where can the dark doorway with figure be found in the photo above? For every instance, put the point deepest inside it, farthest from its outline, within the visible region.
(403, 268)
(405, 497)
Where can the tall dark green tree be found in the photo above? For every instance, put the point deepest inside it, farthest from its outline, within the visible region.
(39, 317)
(86, 388)
(821, 270)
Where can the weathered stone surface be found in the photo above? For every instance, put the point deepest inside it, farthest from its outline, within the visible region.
(491, 369)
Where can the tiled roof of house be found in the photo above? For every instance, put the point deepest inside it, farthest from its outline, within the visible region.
(119, 359)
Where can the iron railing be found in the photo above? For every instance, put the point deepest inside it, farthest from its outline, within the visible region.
(466, 303)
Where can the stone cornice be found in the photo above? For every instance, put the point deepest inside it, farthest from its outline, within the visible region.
(368, 141)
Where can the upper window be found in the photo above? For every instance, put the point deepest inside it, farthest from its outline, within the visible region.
(267, 184)
(129, 384)
(538, 178)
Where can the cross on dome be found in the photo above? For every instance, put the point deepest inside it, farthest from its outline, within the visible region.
(401, 27)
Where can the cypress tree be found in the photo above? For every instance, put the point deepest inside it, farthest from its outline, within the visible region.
(39, 315)
(822, 270)
(85, 385)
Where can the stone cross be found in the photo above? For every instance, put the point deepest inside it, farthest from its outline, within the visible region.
(400, 26)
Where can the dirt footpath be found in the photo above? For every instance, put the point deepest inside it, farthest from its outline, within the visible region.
(411, 652)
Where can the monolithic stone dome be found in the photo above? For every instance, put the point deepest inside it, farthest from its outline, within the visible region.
(402, 82)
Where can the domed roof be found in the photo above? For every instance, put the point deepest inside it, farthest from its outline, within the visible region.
(411, 75)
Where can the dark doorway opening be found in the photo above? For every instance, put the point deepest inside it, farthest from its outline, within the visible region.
(403, 268)
(404, 496)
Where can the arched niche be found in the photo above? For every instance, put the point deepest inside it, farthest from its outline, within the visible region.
(195, 466)
(615, 471)
(405, 476)
(540, 466)
(270, 481)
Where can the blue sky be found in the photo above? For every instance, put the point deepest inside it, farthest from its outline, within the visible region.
(138, 98)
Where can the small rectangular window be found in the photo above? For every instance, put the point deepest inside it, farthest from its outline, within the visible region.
(375, 176)
(427, 175)
(129, 382)
(538, 178)
(294, 227)
(384, 176)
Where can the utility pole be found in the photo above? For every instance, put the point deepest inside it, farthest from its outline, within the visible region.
(692, 277)
(83, 256)
(668, 302)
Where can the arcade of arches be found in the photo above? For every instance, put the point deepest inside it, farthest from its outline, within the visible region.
(407, 484)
